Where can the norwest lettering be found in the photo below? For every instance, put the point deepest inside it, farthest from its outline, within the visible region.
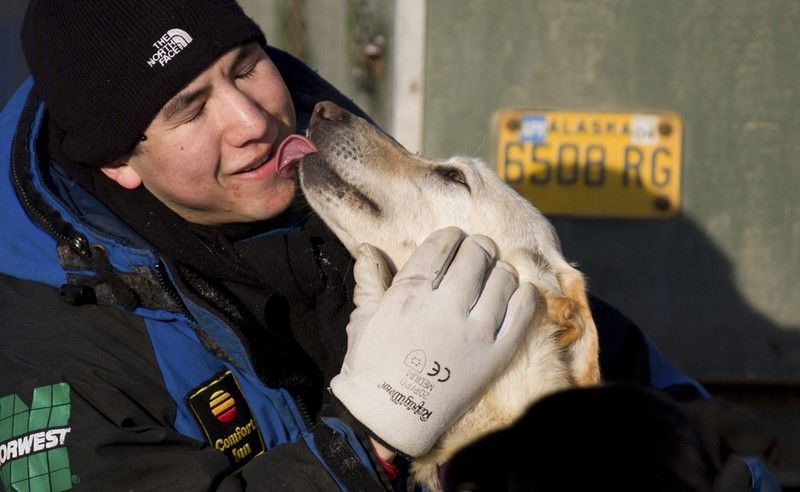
(32, 443)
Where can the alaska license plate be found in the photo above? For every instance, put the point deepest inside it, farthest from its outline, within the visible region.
(592, 164)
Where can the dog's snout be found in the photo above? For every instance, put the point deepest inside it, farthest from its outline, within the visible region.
(327, 111)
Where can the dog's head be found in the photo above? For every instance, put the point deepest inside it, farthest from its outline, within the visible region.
(368, 188)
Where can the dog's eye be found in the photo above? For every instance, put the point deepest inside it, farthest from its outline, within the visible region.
(452, 174)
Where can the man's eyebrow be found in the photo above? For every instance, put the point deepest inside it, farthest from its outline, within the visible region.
(244, 53)
(182, 101)
(185, 99)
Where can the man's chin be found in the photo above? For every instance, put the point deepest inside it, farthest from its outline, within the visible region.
(278, 202)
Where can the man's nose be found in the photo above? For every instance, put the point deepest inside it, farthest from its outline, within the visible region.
(245, 120)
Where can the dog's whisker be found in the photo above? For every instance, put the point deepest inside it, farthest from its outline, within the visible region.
(347, 272)
(480, 146)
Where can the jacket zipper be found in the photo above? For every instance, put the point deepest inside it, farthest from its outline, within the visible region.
(160, 271)
(77, 242)
(302, 408)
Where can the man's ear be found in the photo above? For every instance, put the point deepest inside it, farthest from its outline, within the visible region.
(124, 174)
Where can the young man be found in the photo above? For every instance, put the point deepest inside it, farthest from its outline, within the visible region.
(172, 313)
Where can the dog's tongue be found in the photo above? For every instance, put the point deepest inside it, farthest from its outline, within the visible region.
(291, 151)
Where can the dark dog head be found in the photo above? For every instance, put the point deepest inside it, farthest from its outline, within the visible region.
(621, 438)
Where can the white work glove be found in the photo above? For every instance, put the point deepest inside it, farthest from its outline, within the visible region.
(422, 350)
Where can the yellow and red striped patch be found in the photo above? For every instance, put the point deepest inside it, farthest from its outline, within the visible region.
(223, 406)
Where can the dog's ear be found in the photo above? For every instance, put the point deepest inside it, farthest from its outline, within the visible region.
(578, 337)
(564, 290)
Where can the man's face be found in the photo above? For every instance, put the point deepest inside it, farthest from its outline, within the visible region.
(205, 151)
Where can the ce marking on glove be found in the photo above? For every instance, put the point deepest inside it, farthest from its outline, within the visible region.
(437, 369)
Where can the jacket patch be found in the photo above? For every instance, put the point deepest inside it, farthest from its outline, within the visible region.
(33, 452)
(226, 419)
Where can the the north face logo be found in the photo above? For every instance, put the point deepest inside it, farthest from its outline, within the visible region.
(168, 46)
(33, 455)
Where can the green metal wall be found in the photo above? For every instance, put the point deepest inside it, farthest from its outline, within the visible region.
(718, 287)
(11, 58)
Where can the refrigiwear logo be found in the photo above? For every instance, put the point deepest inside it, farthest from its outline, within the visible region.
(33, 453)
(407, 401)
(168, 46)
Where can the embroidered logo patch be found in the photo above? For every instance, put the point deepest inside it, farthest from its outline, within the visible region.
(33, 451)
(223, 414)
(223, 406)
(168, 46)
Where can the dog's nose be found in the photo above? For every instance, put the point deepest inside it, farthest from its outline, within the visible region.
(329, 111)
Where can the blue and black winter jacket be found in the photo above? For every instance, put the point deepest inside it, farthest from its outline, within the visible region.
(155, 388)
(115, 376)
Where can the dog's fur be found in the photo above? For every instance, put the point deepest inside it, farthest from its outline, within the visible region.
(368, 188)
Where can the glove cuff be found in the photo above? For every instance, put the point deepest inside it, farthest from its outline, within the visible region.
(396, 427)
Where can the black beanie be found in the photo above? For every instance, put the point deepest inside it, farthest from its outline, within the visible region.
(105, 68)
